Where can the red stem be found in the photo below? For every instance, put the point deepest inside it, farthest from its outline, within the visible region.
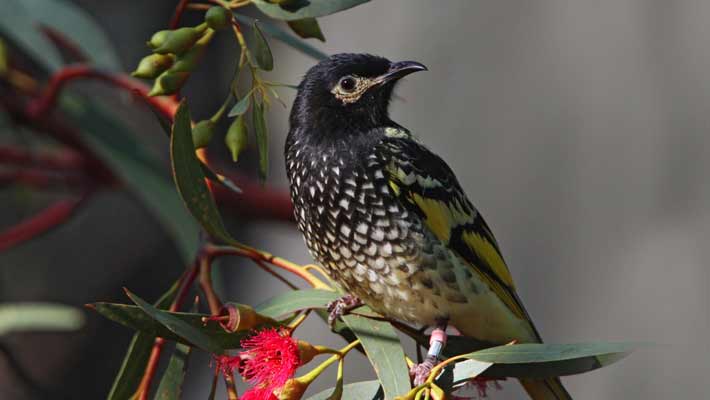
(179, 9)
(42, 179)
(39, 223)
(61, 41)
(38, 107)
(64, 159)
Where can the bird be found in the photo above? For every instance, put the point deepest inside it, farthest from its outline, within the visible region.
(387, 218)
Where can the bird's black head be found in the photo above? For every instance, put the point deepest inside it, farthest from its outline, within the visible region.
(347, 94)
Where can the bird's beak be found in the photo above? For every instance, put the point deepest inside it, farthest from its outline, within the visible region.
(399, 70)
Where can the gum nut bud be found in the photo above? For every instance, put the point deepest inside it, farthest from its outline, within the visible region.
(168, 83)
(179, 41)
(158, 38)
(293, 389)
(306, 351)
(202, 133)
(218, 17)
(236, 138)
(153, 65)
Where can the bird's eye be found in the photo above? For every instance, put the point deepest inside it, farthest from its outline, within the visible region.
(347, 83)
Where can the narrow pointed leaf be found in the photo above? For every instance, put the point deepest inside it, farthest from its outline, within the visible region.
(179, 327)
(279, 34)
(384, 351)
(296, 300)
(190, 177)
(135, 318)
(131, 372)
(170, 387)
(240, 108)
(538, 361)
(366, 390)
(262, 138)
(299, 9)
(307, 28)
(262, 51)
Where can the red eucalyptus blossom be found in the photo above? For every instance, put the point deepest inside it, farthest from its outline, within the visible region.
(269, 359)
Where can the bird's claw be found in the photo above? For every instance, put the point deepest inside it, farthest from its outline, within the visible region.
(338, 308)
(420, 372)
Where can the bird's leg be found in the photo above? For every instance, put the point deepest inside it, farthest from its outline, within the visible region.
(437, 341)
(338, 308)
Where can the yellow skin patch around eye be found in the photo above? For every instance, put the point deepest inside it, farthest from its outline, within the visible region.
(361, 86)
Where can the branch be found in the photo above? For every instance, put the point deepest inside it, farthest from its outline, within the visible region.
(40, 223)
(165, 105)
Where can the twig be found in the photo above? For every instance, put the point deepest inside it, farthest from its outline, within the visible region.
(40, 223)
(179, 9)
(38, 107)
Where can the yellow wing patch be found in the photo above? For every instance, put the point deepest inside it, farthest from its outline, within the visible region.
(487, 252)
(440, 217)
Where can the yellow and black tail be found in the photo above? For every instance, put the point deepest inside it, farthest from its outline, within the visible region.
(548, 389)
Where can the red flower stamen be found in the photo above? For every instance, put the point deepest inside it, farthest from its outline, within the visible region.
(270, 358)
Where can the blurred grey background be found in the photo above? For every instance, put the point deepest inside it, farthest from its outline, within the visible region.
(578, 128)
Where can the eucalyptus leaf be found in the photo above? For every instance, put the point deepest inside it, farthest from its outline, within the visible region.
(384, 351)
(22, 317)
(299, 9)
(262, 138)
(279, 34)
(307, 28)
(170, 387)
(295, 300)
(135, 318)
(262, 51)
(240, 108)
(190, 177)
(131, 372)
(193, 335)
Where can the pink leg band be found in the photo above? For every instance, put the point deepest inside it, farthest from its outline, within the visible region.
(438, 335)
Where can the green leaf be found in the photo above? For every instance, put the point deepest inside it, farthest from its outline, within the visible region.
(240, 108)
(78, 26)
(366, 390)
(135, 318)
(384, 351)
(539, 352)
(279, 34)
(209, 173)
(295, 300)
(18, 24)
(458, 374)
(19, 317)
(262, 52)
(170, 387)
(539, 361)
(131, 372)
(190, 178)
(193, 335)
(262, 138)
(139, 170)
(299, 9)
(307, 28)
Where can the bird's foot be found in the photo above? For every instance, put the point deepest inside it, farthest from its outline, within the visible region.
(338, 308)
(420, 372)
